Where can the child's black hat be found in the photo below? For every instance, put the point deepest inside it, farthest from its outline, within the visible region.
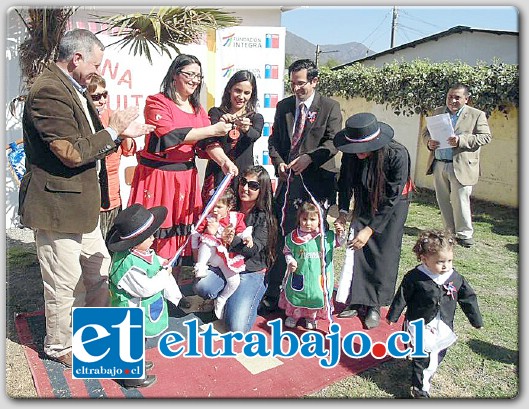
(134, 225)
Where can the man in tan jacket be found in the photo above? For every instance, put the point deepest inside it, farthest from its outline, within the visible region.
(60, 195)
(457, 169)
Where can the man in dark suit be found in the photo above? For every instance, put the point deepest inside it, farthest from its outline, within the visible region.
(301, 145)
(60, 194)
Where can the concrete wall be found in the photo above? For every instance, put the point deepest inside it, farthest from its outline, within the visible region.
(499, 159)
(406, 128)
(467, 47)
(498, 182)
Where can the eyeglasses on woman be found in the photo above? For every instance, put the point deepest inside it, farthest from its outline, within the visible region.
(193, 75)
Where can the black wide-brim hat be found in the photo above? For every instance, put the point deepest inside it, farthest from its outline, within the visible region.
(363, 133)
(134, 225)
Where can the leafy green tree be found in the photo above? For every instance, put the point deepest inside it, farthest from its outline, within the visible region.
(417, 87)
(289, 59)
(331, 62)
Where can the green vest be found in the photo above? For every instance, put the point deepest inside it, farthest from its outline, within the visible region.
(304, 287)
(154, 307)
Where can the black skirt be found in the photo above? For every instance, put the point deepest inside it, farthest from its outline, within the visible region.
(376, 265)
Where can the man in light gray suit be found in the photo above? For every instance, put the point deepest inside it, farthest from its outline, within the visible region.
(457, 169)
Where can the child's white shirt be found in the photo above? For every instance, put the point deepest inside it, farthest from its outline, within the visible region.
(136, 283)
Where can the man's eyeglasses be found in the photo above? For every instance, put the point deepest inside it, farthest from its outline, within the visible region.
(252, 184)
(299, 84)
(192, 75)
(97, 97)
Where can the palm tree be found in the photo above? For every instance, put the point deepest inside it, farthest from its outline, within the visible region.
(45, 28)
(164, 28)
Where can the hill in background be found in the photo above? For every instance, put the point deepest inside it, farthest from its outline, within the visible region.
(297, 47)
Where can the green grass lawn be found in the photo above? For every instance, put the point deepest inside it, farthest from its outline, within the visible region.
(482, 363)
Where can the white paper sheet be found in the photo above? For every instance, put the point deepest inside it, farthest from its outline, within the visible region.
(346, 276)
(440, 128)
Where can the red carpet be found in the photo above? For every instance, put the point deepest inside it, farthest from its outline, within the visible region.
(199, 377)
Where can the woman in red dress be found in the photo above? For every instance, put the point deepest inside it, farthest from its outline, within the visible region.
(166, 174)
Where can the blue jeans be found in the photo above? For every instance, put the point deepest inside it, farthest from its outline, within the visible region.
(241, 308)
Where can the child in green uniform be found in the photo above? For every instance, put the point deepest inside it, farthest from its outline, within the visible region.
(139, 277)
(302, 294)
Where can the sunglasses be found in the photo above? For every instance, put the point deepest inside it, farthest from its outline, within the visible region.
(97, 97)
(252, 184)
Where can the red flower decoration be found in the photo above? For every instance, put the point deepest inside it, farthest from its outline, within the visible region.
(311, 117)
(451, 290)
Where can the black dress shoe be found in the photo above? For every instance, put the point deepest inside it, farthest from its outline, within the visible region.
(149, 365)
(268, 305)
(467, 243)
(350, 311)
(138, 383)
(184, 303)
(372, 319)
(416, 393)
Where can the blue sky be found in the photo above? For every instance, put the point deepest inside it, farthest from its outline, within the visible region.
(371, 26)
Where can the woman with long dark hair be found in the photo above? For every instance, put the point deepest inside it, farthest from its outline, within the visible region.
(254, 199)
(375, 171)
(238, 108)
(166, 174)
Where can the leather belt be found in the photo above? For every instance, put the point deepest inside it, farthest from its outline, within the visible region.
(444, 160)
(167, 166)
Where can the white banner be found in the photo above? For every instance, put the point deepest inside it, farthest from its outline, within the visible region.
(130, 79)
(260, 50)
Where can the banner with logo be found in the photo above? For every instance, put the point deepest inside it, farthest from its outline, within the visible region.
(131, 79)
(260, 50)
